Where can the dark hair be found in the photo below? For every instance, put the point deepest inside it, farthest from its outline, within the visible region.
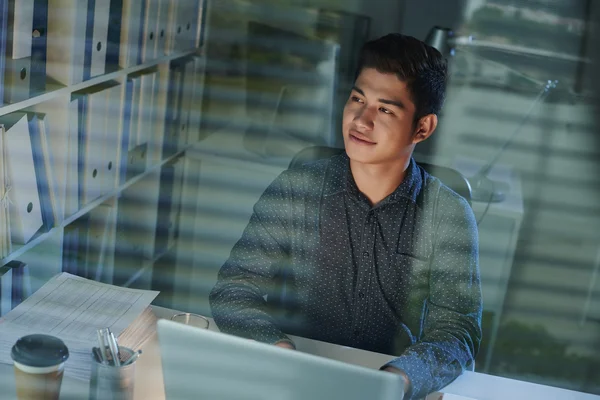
(420, 66)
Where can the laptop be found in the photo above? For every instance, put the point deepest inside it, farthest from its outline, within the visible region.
(202, 364)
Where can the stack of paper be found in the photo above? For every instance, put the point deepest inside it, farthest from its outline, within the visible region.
(139, 330)
(73, 308)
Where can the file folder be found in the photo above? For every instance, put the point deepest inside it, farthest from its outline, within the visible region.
(39, 34)
(96, 36)
(43, 172)
(24, 208)
(67, 21)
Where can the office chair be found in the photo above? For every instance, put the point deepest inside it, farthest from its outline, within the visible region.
(449, 177)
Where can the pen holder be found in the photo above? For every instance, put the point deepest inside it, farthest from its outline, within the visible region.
(112, 382)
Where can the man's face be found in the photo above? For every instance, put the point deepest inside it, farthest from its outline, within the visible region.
(378, 120)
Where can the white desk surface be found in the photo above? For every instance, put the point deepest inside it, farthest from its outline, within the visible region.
(149, 381)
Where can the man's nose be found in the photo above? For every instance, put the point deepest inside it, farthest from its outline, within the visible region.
(364, 118)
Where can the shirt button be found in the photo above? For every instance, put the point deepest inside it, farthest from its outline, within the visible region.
(366, 254)
(361, 295)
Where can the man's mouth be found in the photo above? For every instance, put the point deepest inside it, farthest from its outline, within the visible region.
(358, 138)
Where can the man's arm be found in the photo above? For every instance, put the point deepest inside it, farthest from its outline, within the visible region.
(452, 330)
(238, 299)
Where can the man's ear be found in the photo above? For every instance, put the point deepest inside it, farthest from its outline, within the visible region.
(425, 127)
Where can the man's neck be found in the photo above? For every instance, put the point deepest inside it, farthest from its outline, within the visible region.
(377, 181)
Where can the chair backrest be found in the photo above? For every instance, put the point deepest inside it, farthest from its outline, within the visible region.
(449, 177)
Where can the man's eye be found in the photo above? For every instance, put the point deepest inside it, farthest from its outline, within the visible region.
(384, 110)
(355, 99)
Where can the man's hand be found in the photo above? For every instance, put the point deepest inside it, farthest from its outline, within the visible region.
(402, 374)
(285, 345)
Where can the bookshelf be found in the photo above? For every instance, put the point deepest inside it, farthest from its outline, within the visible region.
(149, 88)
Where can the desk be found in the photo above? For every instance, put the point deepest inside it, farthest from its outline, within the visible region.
(150, 385)
(471, 384)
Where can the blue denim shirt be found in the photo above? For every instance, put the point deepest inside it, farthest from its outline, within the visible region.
(401, 277)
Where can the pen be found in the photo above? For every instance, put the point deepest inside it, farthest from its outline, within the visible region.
(132, 359)
(114, 349)
(101, 347)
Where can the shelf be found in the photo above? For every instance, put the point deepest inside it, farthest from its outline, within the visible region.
(16, 253)
(54, 89)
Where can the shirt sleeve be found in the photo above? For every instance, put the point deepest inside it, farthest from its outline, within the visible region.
(238, 299)
(452, 327)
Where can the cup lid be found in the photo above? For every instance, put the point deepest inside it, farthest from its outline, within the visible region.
(39, 351)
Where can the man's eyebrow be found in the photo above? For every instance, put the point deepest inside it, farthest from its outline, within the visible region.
(396, 103)
(357, 89)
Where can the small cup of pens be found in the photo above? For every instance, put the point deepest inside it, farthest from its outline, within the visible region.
(113, 369)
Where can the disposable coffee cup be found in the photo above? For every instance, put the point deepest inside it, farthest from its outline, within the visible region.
(39, 362)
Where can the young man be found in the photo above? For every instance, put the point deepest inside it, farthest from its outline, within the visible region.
(366, 249)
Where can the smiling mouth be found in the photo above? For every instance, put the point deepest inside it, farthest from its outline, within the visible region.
(360, 140)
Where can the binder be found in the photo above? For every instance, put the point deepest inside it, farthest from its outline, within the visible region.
(189, 13)
(96, 35)
(5, 289)
(92, 135)
(43, 172)
(3, 49)
(113, 39)
(173, 232)
(112, 141)
(24, 208)
(72, 181)
(5, 244)
(67, 21)
(149, 35)
(17, 79)
(20, 27)
(124, 146)
(18, 54)
(21, 282)
(39, 33)
(135, 111)
(54, 189)
(131, 32)
(172, 22)
(146, 124)
(187, 89)
(172, 114)
(163, 27)
(165, 201)
(97, 241)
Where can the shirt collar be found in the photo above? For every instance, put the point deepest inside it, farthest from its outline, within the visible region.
(339, 178)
